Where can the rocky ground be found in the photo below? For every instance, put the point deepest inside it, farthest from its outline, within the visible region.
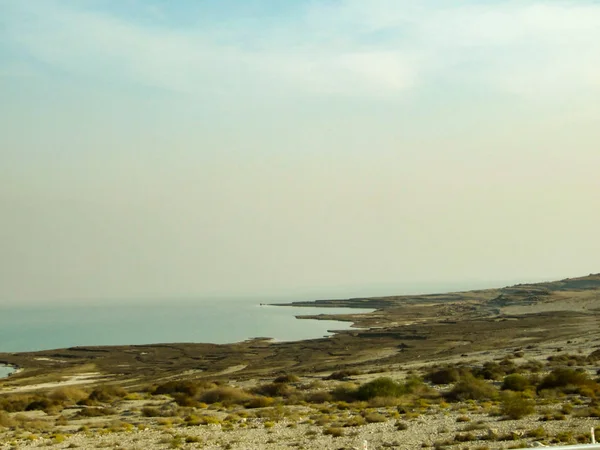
(529, 330)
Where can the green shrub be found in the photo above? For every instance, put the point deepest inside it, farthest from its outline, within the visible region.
(380, 387)
(346, 392)
(471, 388)
(515, 406)
(515, 382)
(563, 377)
(563, 437)
(447, 375)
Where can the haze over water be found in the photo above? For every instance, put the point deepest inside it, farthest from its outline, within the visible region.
(153, 149)
(40, 328)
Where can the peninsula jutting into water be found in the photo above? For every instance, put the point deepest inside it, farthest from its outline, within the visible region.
(521, 358)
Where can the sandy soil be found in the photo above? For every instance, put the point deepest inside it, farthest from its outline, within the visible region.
(409, 334)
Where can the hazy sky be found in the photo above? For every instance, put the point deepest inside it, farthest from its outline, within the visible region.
(265, 147)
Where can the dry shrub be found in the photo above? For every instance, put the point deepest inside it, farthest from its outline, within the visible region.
(515, 406)
(68, 394)
(570, 381)
(95, 412)
(333, 431)
(465, 437)
(318, 397)
(151, 411)
(225, 395)
(492, 370)
(287, 378)
(274, 390)
(15, 402)
(355, 421)
(342, 375)
(190, 388)
(106, 393)
(6, 421)
(445, 375)
(259, 402)
(471, 388)
(373, 417)
(27, 424)
(380, 402)
(591, 411)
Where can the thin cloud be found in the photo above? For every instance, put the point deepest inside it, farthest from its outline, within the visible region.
(345, 48)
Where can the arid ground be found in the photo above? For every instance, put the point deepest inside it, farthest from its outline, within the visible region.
(498, 368)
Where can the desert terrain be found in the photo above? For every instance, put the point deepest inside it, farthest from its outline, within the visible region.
(499, 368)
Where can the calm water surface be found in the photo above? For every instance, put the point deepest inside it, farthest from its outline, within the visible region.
(30, 328)
(5, 371)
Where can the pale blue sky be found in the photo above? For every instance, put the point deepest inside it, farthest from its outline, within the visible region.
(162, 148)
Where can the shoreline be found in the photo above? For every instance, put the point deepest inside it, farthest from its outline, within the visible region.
(8, 370)
(406, 328)
(251, 320)
(274, 395)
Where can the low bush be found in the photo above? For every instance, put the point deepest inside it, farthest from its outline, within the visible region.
(401, 426)
(464, 437)
(333, 431)
(274, 390)
(515, 382)
(318, 397)
(68, 394)
(187, 387)
(471, 388)
(95, 412)
(570, 381)
(446, 375)
(108, 392)
(287, 378)
(343, 374)
(6, 421)
(380, 387)
(515, 406)
(225, 395)
(536, 433)
(346, 392)
(373, 417)
(259, 402)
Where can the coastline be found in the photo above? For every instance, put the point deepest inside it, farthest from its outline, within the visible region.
(531, 328)
(7, 370)
(30, 329)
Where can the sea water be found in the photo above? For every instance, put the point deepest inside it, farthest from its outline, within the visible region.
(31, 328)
